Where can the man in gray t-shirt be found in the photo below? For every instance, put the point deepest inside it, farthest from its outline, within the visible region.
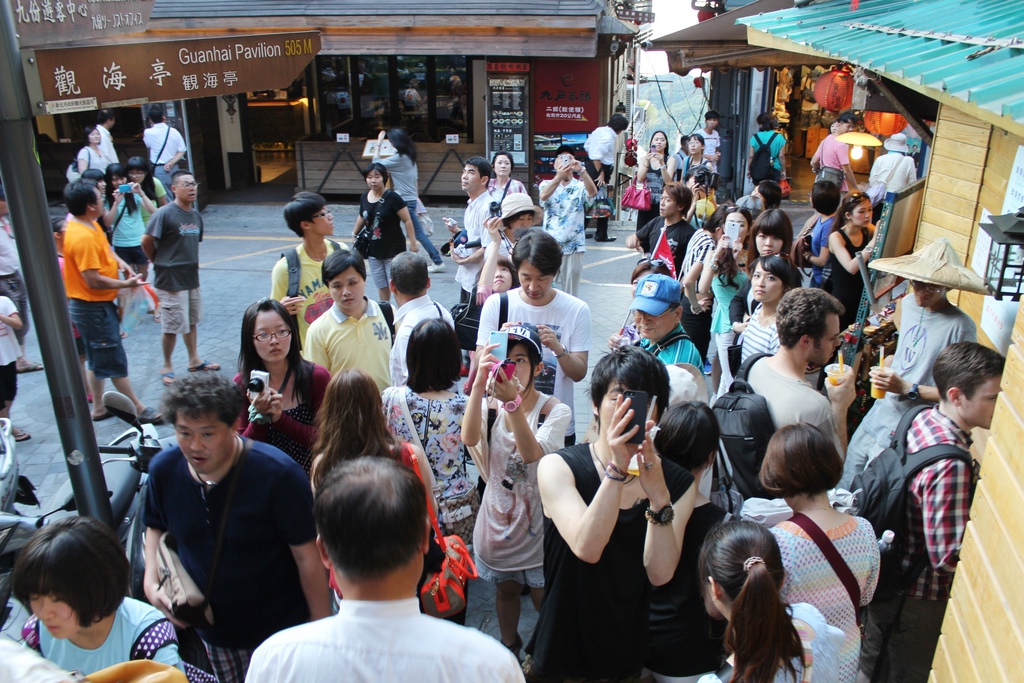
(928, 323)
(172, 242)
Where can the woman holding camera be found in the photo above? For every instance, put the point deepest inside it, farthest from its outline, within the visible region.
(653, 172)
(284, 391)
(507, 433)
(126, 201)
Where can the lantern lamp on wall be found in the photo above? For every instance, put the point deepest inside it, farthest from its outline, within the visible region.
(859, 142)
(885, 123)
(1004, 274)
(834, 89)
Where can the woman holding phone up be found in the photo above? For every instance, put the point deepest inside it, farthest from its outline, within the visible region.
(508, 427)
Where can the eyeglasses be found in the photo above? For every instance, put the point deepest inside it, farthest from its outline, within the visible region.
(644, 315)
(926, 286)
(267, 336)
(188, 185)
(322, 214)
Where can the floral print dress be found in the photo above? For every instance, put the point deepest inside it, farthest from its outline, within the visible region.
(438, 424)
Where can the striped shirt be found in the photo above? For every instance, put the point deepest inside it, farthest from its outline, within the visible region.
(757, 339)
(938, 504)
(697, 249)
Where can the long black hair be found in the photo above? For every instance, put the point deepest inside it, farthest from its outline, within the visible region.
(402, 143)
(130, 205)
(142, 164)
(249, 360)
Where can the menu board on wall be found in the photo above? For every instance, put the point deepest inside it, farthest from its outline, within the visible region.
(507, 116)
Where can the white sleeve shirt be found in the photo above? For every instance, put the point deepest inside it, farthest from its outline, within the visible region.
(107, 145)
(154, 138)
(601, 145)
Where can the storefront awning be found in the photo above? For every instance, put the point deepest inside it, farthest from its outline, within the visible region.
(721, 42)
(968, 54)
(524, 28)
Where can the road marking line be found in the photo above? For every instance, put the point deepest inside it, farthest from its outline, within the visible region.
(239, 256)
(631, 253)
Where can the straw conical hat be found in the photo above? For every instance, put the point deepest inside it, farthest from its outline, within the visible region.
(935, 264)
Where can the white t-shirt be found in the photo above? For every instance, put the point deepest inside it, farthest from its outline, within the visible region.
(601, 145)
(712, 141)
(567, 316)
(477, 211)
(9, 348)
(407, 317)
(107, 145)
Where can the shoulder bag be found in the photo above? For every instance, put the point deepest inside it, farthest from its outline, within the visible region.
(828, 549)
(637, 197)
(444, 592)
(188, 603)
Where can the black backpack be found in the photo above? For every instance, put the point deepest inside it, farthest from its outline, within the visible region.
(745, 427)
(467, 319)
(761, 167)
(880, 496)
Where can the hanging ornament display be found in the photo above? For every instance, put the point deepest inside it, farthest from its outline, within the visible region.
(834, 89)
(884, 123)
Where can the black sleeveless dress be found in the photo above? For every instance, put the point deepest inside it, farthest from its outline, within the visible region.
(595, 618)
(847, 287)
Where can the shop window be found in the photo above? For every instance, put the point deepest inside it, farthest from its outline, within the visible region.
(335, 90)
(452, 82)
(428, 96)
(374, 92)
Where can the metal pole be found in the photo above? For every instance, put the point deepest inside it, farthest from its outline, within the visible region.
(26, 197)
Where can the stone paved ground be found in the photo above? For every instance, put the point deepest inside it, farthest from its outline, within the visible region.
(242, 243)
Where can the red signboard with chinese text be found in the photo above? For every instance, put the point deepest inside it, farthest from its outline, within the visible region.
(508, 67)
(171, 70)
(566, 95)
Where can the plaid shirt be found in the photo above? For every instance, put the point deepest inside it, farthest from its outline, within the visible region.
(937, 507)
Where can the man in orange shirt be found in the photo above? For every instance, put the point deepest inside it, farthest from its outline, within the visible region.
(90, 280)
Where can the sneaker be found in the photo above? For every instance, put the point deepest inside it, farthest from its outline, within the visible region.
(436, 268)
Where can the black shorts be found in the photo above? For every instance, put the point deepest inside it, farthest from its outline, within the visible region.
(8, 382)
(133, 256)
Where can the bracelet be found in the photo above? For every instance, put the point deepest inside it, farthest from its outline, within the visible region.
(612, 471)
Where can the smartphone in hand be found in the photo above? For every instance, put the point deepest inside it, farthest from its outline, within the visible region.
(500, 338)
(638, 404)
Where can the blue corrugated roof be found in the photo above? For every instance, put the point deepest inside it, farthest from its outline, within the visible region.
(968, 50)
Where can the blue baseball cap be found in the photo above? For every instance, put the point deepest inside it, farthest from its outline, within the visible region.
(655, 293)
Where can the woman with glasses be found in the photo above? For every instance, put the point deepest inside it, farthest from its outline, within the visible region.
(141, 171)
(283, 411)
(852, 234)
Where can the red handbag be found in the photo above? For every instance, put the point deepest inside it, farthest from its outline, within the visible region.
(638, 198)
(444, 592)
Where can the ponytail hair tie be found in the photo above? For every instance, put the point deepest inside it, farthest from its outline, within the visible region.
(750, 562)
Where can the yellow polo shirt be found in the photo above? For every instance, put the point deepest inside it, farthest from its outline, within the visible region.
(337, 342)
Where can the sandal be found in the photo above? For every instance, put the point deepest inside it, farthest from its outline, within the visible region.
(31, 366)
(205, 366)
(20, 435)
(167, 378)
(151, 416)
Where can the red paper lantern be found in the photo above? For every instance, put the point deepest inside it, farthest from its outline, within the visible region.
(885, 123)
(834, 89)
(704, 15)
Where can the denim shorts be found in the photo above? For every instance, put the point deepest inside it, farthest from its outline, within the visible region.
(534, 578)
(100, 327)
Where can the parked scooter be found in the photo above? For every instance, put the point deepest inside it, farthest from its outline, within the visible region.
(126, 482)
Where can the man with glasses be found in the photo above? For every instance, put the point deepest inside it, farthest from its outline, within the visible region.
(296, 279)
(927, 323)
(172, 242)
(564, 199)
(657, 312)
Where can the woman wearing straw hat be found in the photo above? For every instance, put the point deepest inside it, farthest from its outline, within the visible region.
(928, 323)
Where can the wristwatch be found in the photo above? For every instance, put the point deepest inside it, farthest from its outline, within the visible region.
(914, 394)
(662, 517)
(513, 406)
